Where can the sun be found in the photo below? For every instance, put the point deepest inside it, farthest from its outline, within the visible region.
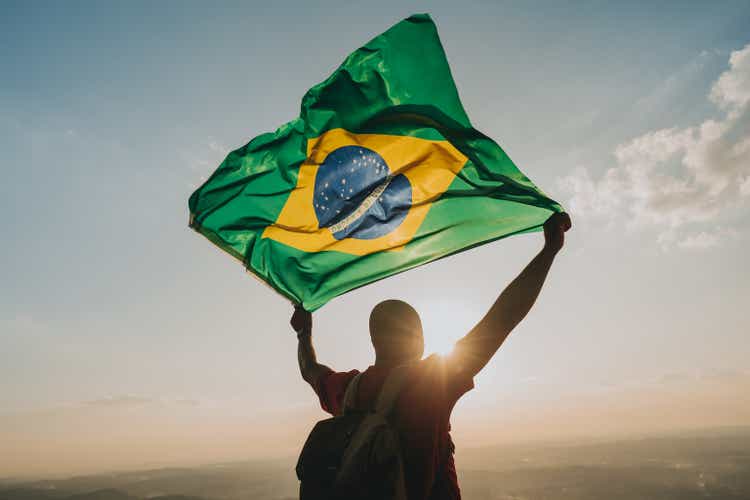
(439, 342)
(444, 324)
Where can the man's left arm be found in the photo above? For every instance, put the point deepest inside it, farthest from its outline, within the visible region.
(476, 349)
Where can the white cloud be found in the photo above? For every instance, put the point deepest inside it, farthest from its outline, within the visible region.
(703, 240)
(676, 177)
(127, 400)
(732, 89)
(132, 400)
(115, 403)
(217, 147)
(590, 197)
(745, 187)
(700, 240)
(723, 374)
(203, 160)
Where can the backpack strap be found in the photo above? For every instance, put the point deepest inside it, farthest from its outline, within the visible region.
(391, 389)
(350, 394)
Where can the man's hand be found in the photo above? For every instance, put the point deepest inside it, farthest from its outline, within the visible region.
(554, 231)
(301, 321)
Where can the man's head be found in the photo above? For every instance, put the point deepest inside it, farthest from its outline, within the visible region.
(396, 332)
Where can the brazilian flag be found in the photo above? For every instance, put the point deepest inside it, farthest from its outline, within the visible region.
(381, 172)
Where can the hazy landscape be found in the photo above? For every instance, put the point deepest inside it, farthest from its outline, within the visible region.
(701, 465)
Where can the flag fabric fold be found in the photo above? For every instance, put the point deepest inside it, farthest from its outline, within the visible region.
(381, 172)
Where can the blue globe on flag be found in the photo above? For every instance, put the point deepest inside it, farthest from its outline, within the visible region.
(356, 196)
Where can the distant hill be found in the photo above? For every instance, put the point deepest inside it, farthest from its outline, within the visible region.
(102, 494)
(702, 466)
(176, 497)
(105, 494)
(28, 494)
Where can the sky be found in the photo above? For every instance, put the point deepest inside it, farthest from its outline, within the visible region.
(127, 340)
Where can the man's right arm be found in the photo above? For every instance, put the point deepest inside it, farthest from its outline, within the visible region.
(309, 367)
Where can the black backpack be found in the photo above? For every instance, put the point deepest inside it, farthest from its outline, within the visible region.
(356, 455)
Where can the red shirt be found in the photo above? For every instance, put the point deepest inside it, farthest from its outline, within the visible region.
(422, 414)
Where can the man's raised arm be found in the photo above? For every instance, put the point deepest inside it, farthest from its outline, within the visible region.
(309, 367)
(476, 349)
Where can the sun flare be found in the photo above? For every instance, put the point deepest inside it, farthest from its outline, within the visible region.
(444, 324)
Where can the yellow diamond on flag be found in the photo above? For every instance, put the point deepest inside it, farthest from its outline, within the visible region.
(364, 193)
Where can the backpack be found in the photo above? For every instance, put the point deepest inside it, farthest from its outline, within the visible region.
(355, 455)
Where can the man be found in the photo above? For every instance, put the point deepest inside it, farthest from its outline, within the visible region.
(434, 384)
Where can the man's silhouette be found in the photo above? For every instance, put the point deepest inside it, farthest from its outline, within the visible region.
(434, 384)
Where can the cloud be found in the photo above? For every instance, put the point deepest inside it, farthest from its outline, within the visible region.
(131, 401)
(732, 89)
(217, 147)
(700, 240)
(745, 187)
(709, 375)
(125, 401)
(675, 178)
(202, 160)
(110, 405)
